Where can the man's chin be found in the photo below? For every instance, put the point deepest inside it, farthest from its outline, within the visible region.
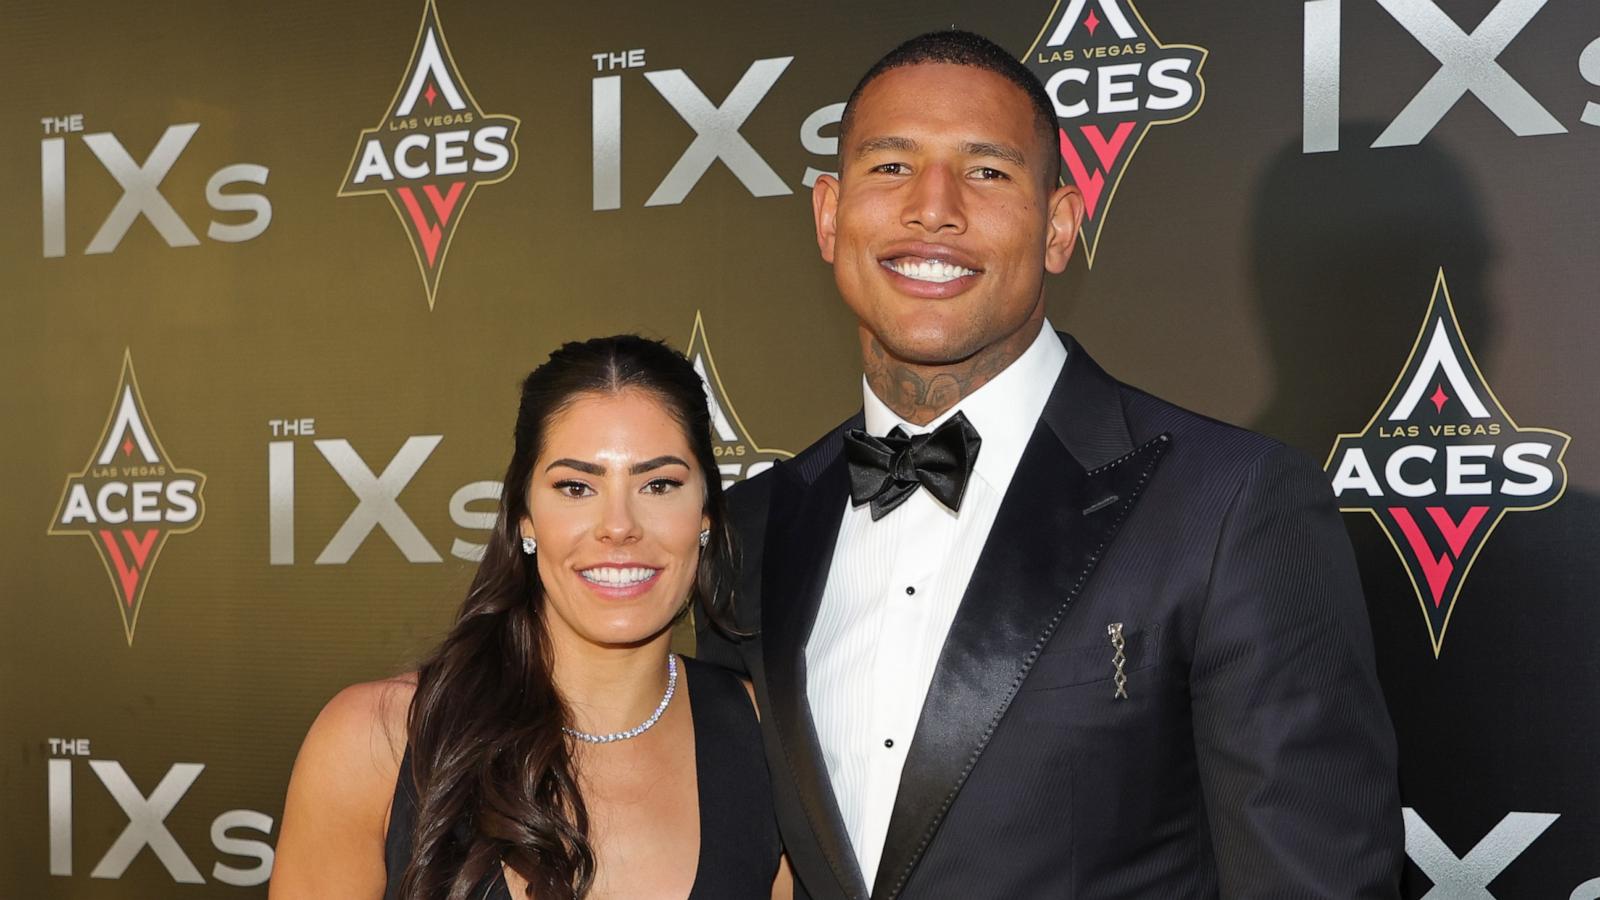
(929, 347)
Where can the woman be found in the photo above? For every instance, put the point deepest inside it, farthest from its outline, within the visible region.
(552, 747)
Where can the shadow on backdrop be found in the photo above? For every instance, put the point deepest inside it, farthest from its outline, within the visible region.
(1346, 247)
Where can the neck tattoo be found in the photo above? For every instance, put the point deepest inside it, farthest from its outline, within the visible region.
(921, 393)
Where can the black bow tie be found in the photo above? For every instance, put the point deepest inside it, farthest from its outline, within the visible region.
(886, 471)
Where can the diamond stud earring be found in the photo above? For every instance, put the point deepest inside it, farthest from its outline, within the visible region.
(529, 545)
(705, 537)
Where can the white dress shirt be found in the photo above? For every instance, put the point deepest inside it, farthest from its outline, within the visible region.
(892, 592)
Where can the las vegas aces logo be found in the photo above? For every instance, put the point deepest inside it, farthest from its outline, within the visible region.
(738, 455)
(1111, 80)
(1441, 461)
(431, 150)
(129, 498)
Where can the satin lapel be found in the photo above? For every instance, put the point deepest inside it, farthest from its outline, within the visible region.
(1052, 528)
(1085, 410)
(802, 529)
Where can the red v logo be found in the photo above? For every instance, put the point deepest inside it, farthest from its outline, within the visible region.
(431, 234)
(1456, 534)
(1091, 185)
(128, 576)
(1106, 151)
(1436, 570)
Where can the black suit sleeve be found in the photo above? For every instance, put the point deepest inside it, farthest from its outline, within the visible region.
(1296, 751)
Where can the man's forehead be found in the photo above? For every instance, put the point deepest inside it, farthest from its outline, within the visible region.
(936, 94)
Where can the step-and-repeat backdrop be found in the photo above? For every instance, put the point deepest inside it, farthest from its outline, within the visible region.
(272, 272)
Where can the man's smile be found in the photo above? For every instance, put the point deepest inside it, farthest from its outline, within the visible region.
(928, 269)
(934, 270)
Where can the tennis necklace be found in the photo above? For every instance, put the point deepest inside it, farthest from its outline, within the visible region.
(641, 728)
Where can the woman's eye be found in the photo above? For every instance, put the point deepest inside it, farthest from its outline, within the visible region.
(573, 488)
(662, 485)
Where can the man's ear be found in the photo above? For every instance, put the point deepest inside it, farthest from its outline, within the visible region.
(1066, 217)
(825, 209)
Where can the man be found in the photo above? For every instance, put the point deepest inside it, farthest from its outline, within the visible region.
(1025, 631)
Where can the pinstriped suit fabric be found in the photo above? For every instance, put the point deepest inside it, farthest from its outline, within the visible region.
(1253, 756)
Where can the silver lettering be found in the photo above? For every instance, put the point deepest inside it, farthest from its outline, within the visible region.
(1467, 64)
(1589, 890)
(606, 137)
(60, 781)
(141, 194)
(717, 131)
(53, 194)
(378, 497)
(1320, 119)
(465, 517)
(261, 851)
(147, 820)
(280, 502)
(256, 203)
(811, 138)
(1468, 877)
(1589, 68)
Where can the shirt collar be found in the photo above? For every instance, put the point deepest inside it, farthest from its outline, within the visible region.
(1004, 410)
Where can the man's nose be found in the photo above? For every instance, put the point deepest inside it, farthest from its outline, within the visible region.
(934, 202)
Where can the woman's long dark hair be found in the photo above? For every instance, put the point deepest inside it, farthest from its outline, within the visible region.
(493, 773)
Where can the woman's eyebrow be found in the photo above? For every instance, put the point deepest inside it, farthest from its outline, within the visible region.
(658, 462)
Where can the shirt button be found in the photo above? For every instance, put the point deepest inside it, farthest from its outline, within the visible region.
(910, 590)
(889, 742)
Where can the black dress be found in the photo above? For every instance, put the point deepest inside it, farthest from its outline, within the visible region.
(739, 845)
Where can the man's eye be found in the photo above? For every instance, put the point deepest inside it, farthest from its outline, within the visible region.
(989, 174)
(573, 488)
(662, 485)
(893, 168)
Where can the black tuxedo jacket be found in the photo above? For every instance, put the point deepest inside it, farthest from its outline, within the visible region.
(1253, 755)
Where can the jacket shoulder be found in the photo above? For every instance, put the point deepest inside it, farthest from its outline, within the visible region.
(747, 500)
(1222, 450)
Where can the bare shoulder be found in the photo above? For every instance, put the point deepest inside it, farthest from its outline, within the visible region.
(337, 807)
(364, 724)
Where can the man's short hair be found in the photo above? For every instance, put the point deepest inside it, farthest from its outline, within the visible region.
(964, 48)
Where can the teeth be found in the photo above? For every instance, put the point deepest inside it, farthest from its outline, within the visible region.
(614, 576)
(933, 270)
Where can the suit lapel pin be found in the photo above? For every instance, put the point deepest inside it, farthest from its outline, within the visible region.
(1118, 658)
